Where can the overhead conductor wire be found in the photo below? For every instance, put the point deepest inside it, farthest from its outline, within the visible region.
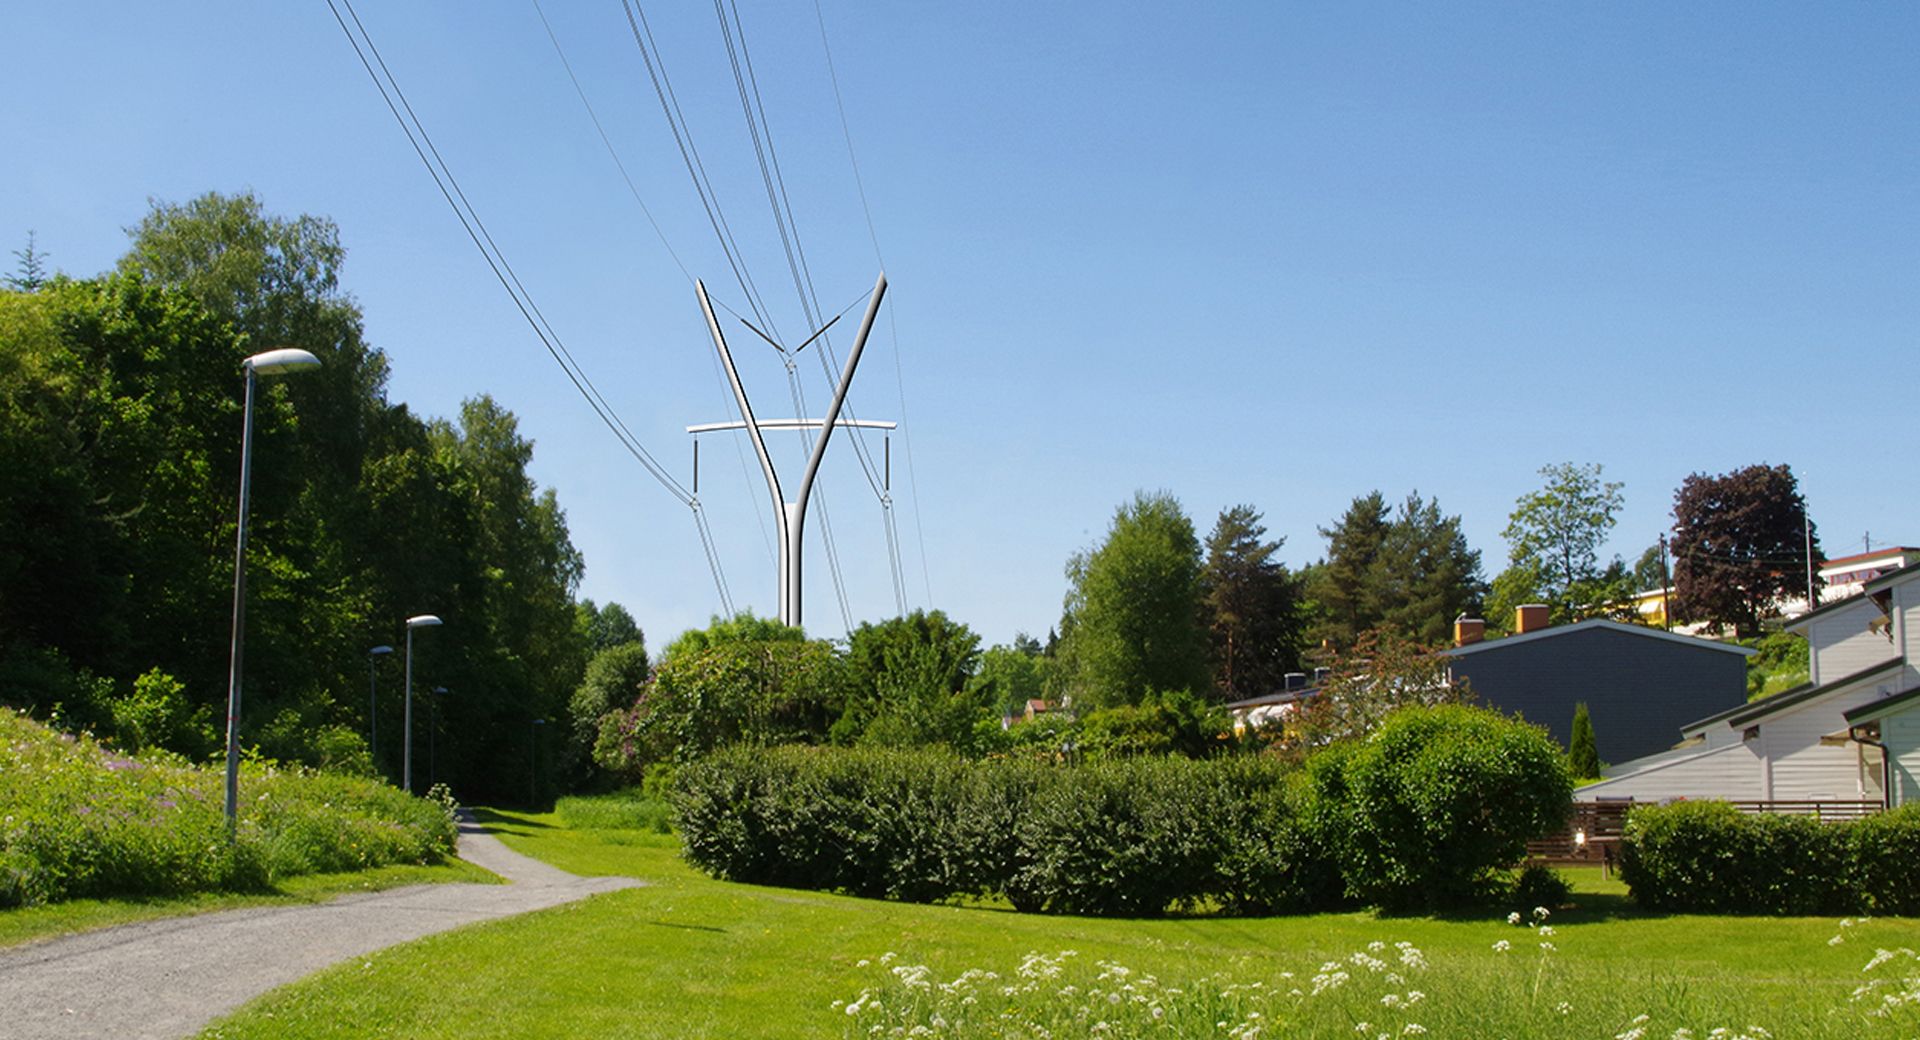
(906, 428)
(721, 379)
(496, 260)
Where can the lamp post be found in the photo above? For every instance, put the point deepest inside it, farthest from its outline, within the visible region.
(270, 363)
(433, 727)
(373, 706)
(406, 737)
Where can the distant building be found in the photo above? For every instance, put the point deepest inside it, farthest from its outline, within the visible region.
(1851, 733)
(1640, 684)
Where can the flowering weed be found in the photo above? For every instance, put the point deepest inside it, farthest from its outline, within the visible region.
(77, 819)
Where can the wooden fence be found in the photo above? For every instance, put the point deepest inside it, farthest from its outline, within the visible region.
(1592, 834)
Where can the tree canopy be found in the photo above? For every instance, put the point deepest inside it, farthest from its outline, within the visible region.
(1252, 607)
(120, 403)
(1553, 538)
(1405, 569)
(1132, 623)
(1742, 542)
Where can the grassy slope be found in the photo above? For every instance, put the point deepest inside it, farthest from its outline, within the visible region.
(693, 957)
(27, 924)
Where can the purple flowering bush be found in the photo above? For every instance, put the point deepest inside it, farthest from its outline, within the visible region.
(78, 819)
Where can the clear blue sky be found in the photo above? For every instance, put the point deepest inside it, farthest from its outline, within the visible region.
(1269, 253)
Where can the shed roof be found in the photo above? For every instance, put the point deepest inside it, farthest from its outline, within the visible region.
(1599, 624)
(1883, 707)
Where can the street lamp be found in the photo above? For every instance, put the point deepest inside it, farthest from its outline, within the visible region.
(432, 728)
(406, 754)
(270, 363)
(373, 706)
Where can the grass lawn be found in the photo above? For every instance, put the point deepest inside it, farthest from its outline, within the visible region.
(26, 924)
(692, 957)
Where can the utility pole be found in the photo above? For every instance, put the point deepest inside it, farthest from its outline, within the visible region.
(790, 517)
(1666, 586)
(1806, 530)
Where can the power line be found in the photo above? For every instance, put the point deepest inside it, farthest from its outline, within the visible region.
(443, 178)
(634, 191)
(893, 326)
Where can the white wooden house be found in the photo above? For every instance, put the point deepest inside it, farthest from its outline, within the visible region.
(1825, 741)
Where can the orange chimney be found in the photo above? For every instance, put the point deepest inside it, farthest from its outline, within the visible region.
(1467, 630)
(1531, 617)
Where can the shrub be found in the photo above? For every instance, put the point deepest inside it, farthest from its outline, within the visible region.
(1538, 886)
(1128, 837)
(84, 821)
(1435, 801)
(1275, 861)
(1436, 805)
(1707, 857)
(1882, 850)
(756, 692)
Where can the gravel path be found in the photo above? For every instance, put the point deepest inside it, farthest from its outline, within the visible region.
(170, 978)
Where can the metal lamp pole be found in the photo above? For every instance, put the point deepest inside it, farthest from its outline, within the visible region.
(406, 737)
(373, 706)
(270, 363)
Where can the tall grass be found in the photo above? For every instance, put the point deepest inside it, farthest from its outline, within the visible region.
(78, 819)
(1382, 991)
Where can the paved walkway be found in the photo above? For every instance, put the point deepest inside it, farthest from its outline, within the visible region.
(169, 978)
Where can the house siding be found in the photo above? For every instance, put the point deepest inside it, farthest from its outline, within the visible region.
(1906, 631)
(1901, 734)
(1840, 644)
(1732, 772)
(1639, 689)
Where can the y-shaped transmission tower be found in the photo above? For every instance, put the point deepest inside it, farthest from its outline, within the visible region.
(790, 517)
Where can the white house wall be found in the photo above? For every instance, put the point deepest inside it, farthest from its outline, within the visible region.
(1804, 768)
(1906, 631)
(1840, 643)
(1731, 772)
(1900, 732)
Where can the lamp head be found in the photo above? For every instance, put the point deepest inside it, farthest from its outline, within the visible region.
(440, 689)
(423, 621)
(280, 362)
(378, 650)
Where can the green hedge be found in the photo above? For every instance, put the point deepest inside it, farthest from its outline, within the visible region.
(77, 819)
(1138, 836)
(1707, 857)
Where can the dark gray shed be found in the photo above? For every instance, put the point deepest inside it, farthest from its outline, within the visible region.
(1641, 684)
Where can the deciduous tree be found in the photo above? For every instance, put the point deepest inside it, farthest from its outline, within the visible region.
(1132, 619)
(1741, 543)
(1554, 537)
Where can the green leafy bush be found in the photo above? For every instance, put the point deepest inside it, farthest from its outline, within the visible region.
(1435, 801)
(1707, 857)
(1882, 850)
(1129, 837)
(81, 820)
(754, 692)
